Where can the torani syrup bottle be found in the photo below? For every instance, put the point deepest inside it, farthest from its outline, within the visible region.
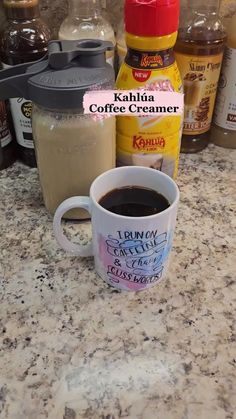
(199, 53)
(151, 32)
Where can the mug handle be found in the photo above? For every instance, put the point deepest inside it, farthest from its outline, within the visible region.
(69, 204)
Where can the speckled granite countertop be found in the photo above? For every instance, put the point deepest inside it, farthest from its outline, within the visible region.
(71, 347)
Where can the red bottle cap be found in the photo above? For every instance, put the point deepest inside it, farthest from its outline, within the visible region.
(152, 18)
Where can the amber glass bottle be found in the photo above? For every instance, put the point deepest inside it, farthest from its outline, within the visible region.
(7, 139)
(7, 135)
(24, 39)
(199, 53)
(1, 156)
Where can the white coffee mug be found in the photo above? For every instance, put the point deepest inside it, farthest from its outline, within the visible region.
(131, 253)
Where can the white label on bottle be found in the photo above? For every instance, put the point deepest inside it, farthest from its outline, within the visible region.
(225, 111)
(21, 110)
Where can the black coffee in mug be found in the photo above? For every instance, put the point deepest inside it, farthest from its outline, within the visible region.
(134, 201)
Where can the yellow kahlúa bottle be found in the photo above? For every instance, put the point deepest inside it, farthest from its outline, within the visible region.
(151, 33)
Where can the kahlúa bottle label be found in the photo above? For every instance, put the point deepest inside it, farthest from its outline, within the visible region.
(5, 135)
(200, 78)
(225, 111)
(21, 113)
(150, 141)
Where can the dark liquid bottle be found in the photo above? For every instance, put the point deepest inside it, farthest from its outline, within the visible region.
(6, 137)
(1, 156)
(199, 54)
(24, 39)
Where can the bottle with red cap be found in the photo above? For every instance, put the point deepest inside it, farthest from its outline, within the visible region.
(151, 31)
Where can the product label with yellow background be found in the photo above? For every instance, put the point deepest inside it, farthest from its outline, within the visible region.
(200, 79)
(151, 141)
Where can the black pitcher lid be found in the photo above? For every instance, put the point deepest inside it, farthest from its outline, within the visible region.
(61, 79)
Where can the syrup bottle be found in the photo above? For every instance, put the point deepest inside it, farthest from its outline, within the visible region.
(24, 39)
(7, 140)
(199, 53)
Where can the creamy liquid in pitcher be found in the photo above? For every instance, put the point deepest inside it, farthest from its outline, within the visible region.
(72, 150)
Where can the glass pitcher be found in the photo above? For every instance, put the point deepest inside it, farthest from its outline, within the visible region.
(72, 148)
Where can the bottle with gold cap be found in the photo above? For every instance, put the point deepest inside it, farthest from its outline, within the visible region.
(151, 32)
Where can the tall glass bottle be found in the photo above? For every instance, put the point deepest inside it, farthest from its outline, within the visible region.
(223, 132)
(199, 53)
(1, 156)
(7, 135)
(85, 20)
(7, 138)
(24, 39)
